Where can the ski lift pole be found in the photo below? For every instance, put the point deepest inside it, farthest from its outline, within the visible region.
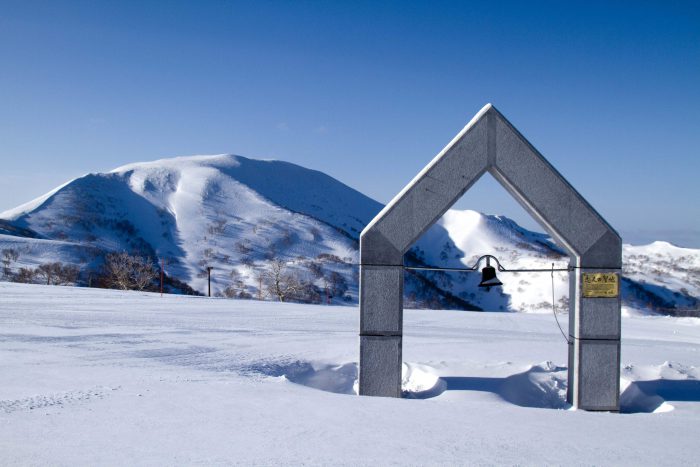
(209, 268)
(162, 271)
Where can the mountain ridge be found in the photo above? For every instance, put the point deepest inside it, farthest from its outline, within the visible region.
(230, 212)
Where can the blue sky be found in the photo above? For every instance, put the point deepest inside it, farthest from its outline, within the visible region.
(367, 92)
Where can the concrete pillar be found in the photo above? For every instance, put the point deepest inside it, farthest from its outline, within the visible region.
(381, 329)
(594, 344)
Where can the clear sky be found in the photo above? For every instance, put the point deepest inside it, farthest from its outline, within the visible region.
(367, 92)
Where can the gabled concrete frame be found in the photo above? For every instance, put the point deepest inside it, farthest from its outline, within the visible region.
(490, 143)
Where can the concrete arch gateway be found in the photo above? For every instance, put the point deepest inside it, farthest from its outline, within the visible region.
(489, 143)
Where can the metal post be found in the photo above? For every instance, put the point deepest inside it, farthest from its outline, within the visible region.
(162, 267)
(209, 268)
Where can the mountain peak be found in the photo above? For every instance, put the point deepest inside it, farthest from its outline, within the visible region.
(180, 162)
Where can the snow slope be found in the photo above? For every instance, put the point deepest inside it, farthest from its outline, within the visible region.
(220, 211)
(236, 214)
(656, 277)
(661, 276)
(97, 377)
(462, 237)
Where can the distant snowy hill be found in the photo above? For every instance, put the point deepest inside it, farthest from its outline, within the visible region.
(461, 237)
(237, 215)
(657, 277)
(661, 277)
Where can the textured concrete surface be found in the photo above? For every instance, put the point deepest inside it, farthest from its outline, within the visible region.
(376, 249)
(598, 374)
(544, 192)
(490, 143)
(606, 252)
(599, 318)
(381, 305)
(437, 187)
(595, 318)
(381, 366)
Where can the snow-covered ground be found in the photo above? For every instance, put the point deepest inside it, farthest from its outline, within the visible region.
(95, 377)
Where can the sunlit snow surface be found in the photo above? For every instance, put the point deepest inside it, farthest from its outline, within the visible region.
(93, 377)
(235, 214)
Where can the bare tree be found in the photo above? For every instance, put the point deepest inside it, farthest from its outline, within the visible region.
(57, 273)
(280, 283)
(46, 271)
(66, 274)
(308, 293)
(333, 284)
(118, 270)
(25, 275)
(338, 284)
(129, 272)
(9, 256)
(260, 278)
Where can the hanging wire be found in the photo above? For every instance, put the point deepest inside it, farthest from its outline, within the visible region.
(554, 310)
(502, 269)
(475, 267)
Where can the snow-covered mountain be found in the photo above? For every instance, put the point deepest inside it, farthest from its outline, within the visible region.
(237, 215)
(661, 277)
(658, 277)
(227, 212)
(461, 237)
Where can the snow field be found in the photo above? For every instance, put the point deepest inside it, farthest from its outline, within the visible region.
(96, 377)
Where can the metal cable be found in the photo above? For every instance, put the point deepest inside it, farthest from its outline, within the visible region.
(554, 311)
(435, 268)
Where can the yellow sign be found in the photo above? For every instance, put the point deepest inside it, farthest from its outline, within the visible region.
(600, 285)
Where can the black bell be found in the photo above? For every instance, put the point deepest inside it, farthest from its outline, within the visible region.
(488, 276)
